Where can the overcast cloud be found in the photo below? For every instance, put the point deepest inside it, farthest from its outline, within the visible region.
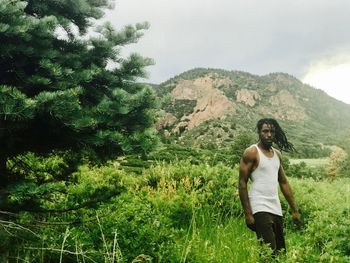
(256, 36)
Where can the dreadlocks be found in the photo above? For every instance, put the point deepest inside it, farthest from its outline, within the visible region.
(280, 137)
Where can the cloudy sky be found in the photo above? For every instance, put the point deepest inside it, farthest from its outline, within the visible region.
(307, 39)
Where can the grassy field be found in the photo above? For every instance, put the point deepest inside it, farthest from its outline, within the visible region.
(320, 162)
(180, 212)
(325, 209)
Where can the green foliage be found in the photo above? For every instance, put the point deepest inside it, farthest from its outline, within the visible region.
(139, 228)
(343, 140)
(67, 11)
(196, 186)
(313, 121)
(214, 135)
(323, 237)
(42, 169)
(56, 91)
(54, 206)
(345, 171)
(302, 170)
(241, 142)
(168, 212)
(213, 238)
(148, 213)
(325, 213)
(181, 108)
(45, 191)
(310, 151)
(177, 152)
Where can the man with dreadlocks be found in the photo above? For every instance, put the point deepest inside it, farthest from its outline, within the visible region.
(261, 163)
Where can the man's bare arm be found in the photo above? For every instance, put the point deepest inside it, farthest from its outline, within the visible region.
(245, 169)
(288, 194)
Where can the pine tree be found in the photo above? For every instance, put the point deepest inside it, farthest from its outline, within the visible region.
(59, 90)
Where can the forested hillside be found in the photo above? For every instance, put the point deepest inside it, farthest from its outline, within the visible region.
(208, 108)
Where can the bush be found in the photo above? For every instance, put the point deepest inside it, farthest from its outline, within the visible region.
(212, 187)
(326, 219)
(138, 228)
(302, 170)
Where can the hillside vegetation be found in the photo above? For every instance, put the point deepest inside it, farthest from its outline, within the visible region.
(208, 108)
(179, 212)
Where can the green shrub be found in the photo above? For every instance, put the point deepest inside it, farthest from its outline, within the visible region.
(137, 227)
(325, 213)
(302, 170)
(213, 187)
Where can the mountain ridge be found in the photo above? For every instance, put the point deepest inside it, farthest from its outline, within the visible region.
(196, 99)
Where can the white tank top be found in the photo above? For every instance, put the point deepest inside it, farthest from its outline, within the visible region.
(263, 194)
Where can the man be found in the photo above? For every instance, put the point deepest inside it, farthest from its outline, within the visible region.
(262, 164)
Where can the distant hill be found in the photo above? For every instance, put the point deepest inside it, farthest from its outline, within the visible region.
(208, 108)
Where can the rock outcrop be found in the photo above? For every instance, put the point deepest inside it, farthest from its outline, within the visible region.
(248, 97)
(211, 102)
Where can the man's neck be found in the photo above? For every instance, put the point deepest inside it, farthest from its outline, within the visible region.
(265, 147)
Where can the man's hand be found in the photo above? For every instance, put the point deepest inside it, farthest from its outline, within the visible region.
(250, 222)
(296, 219)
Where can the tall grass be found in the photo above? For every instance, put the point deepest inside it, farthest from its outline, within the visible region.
(213, 238)
(324, 237)
(187, 213)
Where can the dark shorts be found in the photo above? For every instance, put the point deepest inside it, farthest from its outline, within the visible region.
(269, 229)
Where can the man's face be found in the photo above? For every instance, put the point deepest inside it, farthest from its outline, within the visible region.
(267, 134)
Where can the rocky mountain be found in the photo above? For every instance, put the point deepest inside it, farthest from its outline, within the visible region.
(208, 108)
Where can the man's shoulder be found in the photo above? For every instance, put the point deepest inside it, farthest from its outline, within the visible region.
(279, 154)
(252, 147)
(251, 151)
